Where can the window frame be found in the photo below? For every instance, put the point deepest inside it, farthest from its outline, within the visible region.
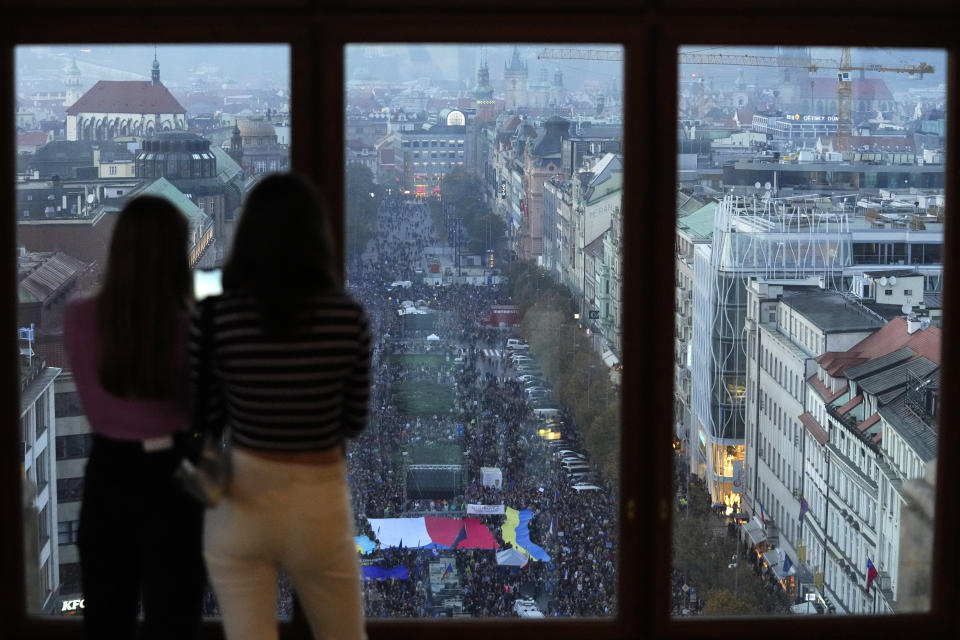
(316, 31)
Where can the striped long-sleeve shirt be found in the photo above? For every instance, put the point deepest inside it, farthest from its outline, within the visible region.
(309, 392)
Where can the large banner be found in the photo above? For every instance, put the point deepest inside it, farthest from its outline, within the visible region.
(486, 509)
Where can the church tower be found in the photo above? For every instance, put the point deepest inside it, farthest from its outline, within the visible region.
(483, 93)
(515, 82)
(155, 69)
(236, 145)
(72, 84)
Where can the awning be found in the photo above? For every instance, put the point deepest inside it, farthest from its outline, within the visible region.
(772, 558)
(610, 359)
(754, 531)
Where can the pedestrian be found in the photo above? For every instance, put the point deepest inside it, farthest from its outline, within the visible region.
(139, 535)
(291, 356)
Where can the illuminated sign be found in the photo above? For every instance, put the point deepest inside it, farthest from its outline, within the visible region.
(71, 605)
(797, 116)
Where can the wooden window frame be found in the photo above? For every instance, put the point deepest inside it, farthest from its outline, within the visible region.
(650, 32)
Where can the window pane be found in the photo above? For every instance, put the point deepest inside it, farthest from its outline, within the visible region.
(810, 212)
(483, 190)
(96, 126)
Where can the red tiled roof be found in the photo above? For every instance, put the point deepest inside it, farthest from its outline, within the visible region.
(893, 336)
(38, 138)
(869, 422)
(834, 362)
(825, 393)
(814, 428)
(850, 404)
(126, 96)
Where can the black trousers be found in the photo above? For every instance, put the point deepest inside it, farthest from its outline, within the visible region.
(140, 535)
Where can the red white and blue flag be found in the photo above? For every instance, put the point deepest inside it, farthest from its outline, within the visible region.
(804, 507)
(447, 571)
(762, 519)
(871, 574)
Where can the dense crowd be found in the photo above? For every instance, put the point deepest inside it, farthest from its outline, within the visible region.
(498, 430)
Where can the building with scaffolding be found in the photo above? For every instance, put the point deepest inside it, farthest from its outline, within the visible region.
(831, 239)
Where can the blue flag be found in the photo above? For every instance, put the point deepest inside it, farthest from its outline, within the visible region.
(461, 535)
(787, 563)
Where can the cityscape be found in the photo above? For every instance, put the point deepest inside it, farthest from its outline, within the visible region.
(483, 237)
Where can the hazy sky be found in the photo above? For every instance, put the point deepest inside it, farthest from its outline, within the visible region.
(249, 66)
(459, 62)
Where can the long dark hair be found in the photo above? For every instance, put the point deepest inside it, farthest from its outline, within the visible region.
(146, 288)
(281, 250)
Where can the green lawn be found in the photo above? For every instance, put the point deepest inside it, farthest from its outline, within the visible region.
(422, 398)
(432, 360)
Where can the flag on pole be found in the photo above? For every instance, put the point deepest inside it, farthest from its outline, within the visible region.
(762, 519)
(447, 571)
(787, 563)
(461, 535)
(804, 507)
(871, 574)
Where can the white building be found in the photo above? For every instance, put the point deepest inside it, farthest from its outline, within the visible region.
(789, 323)
(37, 433)
(865, 433)
(793, 238)
(73, 444)
(114, 108)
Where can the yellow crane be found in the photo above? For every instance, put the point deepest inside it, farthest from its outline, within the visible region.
(843, 67)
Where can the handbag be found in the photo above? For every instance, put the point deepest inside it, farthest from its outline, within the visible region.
(205, 469)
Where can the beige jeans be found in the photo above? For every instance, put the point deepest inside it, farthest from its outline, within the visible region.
(291, 516)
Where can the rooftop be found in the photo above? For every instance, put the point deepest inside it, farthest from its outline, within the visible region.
(698, 225)
(829, 311)
(922, 437)
(126, 96)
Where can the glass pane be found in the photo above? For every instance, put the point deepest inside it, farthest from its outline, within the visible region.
(810, 213)
(96, 126)
(483, 236)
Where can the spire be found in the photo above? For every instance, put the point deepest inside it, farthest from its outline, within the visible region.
(155, 70)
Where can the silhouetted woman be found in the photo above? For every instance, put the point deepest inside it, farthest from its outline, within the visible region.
(140, 534)
(290, 368)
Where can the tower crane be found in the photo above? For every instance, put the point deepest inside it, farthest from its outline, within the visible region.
(843, 67)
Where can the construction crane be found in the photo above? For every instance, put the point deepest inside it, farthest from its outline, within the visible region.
(843, 67)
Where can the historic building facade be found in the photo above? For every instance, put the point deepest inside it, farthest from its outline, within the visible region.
(115, 108)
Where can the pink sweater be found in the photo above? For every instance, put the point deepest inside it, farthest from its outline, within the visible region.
(109, 415)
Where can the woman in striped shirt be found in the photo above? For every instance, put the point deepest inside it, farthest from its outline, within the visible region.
(286, 360)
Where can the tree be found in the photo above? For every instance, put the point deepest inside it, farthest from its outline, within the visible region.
(721, 602)
(362, 200)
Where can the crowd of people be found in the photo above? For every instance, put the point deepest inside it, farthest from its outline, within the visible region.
(496, 429)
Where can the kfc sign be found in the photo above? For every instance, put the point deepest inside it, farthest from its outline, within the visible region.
(69, 606)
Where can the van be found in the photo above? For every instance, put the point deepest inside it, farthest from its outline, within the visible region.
(514, 343)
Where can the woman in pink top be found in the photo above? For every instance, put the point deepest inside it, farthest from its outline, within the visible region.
(140, 534)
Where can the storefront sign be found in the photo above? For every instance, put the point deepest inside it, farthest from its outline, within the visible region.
(71, 605)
